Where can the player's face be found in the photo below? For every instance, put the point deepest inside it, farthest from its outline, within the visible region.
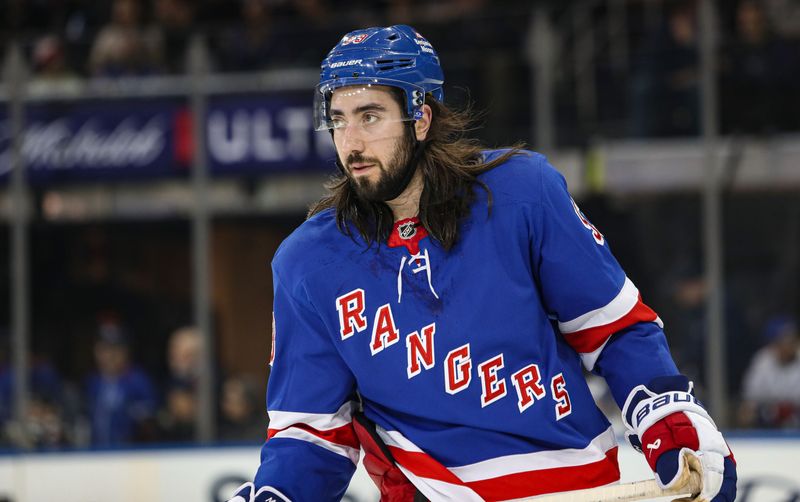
(372, 139)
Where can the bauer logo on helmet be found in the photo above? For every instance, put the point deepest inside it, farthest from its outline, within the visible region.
(349, 62)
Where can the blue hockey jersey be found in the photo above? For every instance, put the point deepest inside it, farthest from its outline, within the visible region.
(468, 360)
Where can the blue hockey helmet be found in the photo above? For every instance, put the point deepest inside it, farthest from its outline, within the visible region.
(396, 56)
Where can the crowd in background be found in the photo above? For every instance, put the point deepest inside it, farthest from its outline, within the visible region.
(114, 359)
(121, 402)
(146, 37)
(645, 74)
(127, 392)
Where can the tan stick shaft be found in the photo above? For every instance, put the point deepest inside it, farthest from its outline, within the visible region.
(638, 490)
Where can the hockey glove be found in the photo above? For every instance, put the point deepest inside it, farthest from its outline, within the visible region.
(247, 493)
(666, 423)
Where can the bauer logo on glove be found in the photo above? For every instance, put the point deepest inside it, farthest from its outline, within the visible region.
(680, 439)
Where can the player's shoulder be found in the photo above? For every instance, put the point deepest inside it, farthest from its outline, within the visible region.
(310, 245)
(522, 177)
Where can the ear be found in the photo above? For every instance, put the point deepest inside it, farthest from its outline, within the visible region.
(423, 125)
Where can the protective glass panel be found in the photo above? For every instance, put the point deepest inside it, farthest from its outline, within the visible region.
(347, 98)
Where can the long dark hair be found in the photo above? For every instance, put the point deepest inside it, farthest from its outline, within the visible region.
(450, 164)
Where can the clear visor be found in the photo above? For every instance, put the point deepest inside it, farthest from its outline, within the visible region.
(367, 105)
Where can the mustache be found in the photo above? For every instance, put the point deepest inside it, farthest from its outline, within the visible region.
(355, 158)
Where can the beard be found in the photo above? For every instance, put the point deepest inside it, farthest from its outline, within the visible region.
(392, 175)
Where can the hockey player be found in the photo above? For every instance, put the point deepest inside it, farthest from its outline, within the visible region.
(436, 307)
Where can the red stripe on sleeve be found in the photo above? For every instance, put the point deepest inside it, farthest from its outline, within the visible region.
(590, 339)
(344, 435)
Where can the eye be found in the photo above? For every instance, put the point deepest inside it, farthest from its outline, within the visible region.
(370, 118)
(338, 123)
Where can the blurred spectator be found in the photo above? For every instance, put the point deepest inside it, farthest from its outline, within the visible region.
(314, 12)
(785, 16)
(43, 425)
(685, 324)
(352, 13)
(120, 47)
(120, 397)
(413, 12)
(81, 20)
(50, 70)
(211, 12)
(168, 37)
(757, 74)
(253, 44)
(318, 23)
(772, 382)
(665, 99)
(176, 419)
(242, 418)
(183, 357)
(44, 383)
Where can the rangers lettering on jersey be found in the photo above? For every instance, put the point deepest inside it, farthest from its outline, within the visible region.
(528, 383)
(351, 313)
(458, 363)
(457, 369)
(384, 332)
(420, 353)
(493, 389)
(561, 396)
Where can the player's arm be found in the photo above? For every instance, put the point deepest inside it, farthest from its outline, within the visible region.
(585, 289)
(311, 450)
(601, 315)
(663, 418)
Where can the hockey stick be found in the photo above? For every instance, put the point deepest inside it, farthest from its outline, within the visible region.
(638, 490)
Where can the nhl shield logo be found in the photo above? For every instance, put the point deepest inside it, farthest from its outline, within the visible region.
(407, 230)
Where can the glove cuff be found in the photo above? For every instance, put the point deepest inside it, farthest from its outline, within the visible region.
(270, 494)
(247, 493)
(244, 493)
(646, 405)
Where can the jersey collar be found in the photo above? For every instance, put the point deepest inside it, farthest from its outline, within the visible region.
(407, 232)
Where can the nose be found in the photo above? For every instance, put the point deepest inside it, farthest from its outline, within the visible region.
(351, 139)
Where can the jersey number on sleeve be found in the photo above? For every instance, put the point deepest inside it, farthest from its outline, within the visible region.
(598, 237)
